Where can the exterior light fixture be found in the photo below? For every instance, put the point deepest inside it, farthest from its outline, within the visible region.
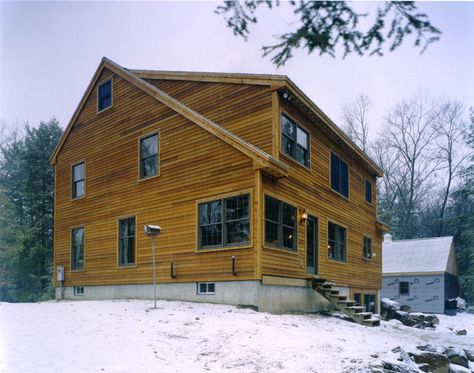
(304, 216)
(153, 231)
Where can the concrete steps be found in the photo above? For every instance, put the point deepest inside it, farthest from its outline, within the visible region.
(346, 306)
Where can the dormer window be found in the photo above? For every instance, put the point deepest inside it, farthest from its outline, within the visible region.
(294, 141)
(104, 96)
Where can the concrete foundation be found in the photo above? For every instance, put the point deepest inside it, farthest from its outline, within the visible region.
(267, 298)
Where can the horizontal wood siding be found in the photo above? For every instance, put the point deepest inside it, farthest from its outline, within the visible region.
(246, 110)
(310, 190)
(193, 164)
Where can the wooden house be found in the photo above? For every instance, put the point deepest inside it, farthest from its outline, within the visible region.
(256, 190)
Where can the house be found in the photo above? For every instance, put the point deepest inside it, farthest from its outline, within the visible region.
(258, 194)
(421, 273)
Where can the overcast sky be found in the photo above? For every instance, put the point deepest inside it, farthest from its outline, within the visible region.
(49, 52)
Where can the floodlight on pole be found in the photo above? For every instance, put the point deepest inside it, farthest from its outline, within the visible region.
(153, 231)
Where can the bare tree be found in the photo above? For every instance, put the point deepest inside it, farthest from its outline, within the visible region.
(355, 120)
(407, 153)
(451, 153)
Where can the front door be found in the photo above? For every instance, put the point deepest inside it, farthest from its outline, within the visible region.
(312, 245)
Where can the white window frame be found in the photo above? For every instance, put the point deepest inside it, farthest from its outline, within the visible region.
(207, 291)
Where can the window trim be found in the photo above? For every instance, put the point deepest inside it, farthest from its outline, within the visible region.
(198, 291)
(71, 229)
(363, 247)
(140, 138)
(100, 84)
(298, 124)
(246, 245)
(366, 180)
(332, 151)
(125, 266)
(78, 293)
(72, 179)
(267, 245)
(400, 288)
(345, 261)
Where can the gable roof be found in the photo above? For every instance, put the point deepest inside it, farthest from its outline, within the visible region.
(261, 159)
(416, 256)
(280, 82)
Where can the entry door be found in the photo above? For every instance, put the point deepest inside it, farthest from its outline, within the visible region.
(312, 245)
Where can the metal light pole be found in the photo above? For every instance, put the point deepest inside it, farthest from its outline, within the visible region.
(153, 231)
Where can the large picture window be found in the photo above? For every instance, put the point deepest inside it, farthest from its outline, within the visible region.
(104, 99)
(127, 241)
(78, 180)
(77, 249)
(149, 156)
(336, 242)
(224, 222)
(294, 140)
(339, 175)
(280, 224)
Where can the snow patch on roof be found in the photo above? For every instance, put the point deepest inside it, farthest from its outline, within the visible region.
(417, 255)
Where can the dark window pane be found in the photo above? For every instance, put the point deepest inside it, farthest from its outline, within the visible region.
(289, 215)
(271, 233)
(310, 238)
(211, 235)
(344, 179)
(272, 207)
(367, 247)
(202, 287)
(238, 232)
(211, 287)
(336, 242)
(301, 155)
(335, 182)
(127, 241)
(287, 126)
(368, 191)
(287, 146)
(149, 146)
(77, 248)
(150, 166)
(288, 237)
(357, 299)
(105, 95)
(237, 208)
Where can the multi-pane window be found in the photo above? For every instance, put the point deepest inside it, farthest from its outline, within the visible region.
(206, 288)
(149, 156)
(339, 175)
(404, 288)
(336, 242)
(78, 180)
(367, 247)
(368, 191)
(280, 224)
(224, 222)
(127, 241)
(294, 140)
(77, 249)
(104, 96)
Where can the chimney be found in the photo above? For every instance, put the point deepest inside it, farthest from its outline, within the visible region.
(387, 238)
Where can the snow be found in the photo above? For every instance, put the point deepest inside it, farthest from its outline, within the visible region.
(417, 255)
(128, 336)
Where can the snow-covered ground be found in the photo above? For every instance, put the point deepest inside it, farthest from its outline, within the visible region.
(128, 336)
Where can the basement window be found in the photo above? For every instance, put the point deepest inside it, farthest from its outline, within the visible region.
(404, 288)
(79, 290)
(206, 288)
(104, 96)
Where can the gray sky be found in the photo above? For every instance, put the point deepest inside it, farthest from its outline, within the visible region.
(49, 52)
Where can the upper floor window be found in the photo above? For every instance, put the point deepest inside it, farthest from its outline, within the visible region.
(78, 180)
(127, 241)
(280, 224)
(224, 222)
(77, 249)
(368, 191)
(367, 247)
(336, 242)
(339, 175)
(294, 140)
(104, 96)
(149, 156)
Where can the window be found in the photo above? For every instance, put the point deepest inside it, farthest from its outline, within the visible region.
(78, 180)
(77, 249)
(404, 288)
(367, 247)
(369, 302)
(206, 288)
(294, 140)
(127, 242)
(336, 242)
(357, 299)
(79, 290)
(104, 96)
(224, 222)
(149, 156)
(339, 175)
(280, 224)
(368, 191)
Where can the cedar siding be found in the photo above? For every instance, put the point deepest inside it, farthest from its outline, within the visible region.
(196, 165)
